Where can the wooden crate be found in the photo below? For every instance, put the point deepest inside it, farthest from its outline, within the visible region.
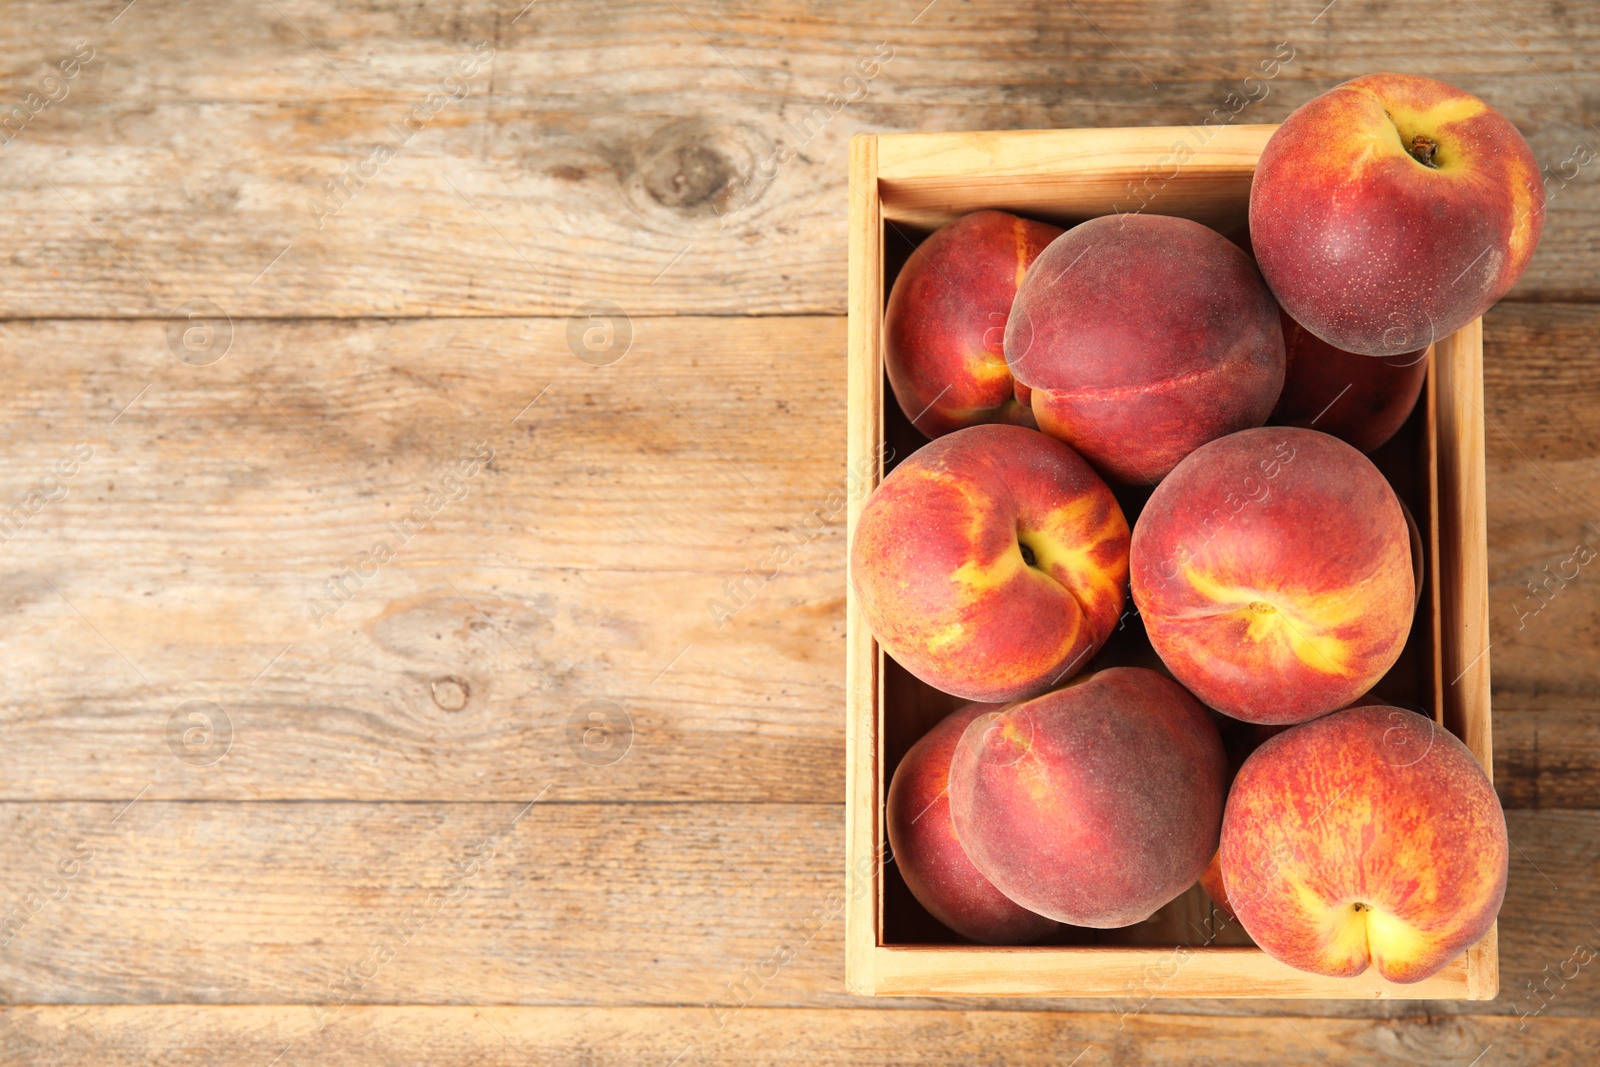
(901, 187)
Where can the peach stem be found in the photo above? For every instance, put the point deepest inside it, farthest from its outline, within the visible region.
(1422, 149)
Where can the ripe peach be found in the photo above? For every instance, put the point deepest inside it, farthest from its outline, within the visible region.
(946, 316)
(925, 848)
(1273, 572)
(1361, 400)
(1392, 210)
(991, 563)
(1239, 739)
(1095, 804)
(1368, 837)
(1143, 337)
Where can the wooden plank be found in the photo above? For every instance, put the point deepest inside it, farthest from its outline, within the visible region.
(616, 507)
(618, 153)
(1462, 567)
(1542, 410)
(177, 1035)
(1223, 972)
(624, 515)
(718, 906)
(1548, 758)
(1543, 354)
(864, 757)
(929, 179)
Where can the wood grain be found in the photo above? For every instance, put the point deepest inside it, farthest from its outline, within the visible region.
(1548, 757)
(617, 507)
(929, 179)
(600, 156)
(1462, 564)
(603, 153)
(1542, 408)
(863, 753)
(717, 906)
(591, 559)
(175, 1036)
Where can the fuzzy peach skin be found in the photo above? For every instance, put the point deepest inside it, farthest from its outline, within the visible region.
(1370, 837)
(1095, 804)
(1239, 740)
(1143, 337)
(946, 317)
(930, 857)
(1361, 400)
(1273, 572)
(1375, 251)
(991, 563)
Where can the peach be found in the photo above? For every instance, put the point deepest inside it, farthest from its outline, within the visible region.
(1142, 337)
(991, 563)
(930, 857)
(1370, 837)
(1095, 804)
(1239, 739)
(946, 316)
(1273, 572)
(1361, 400)
(1392, 210)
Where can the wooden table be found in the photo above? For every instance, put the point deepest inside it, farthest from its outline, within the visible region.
(384, 680)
